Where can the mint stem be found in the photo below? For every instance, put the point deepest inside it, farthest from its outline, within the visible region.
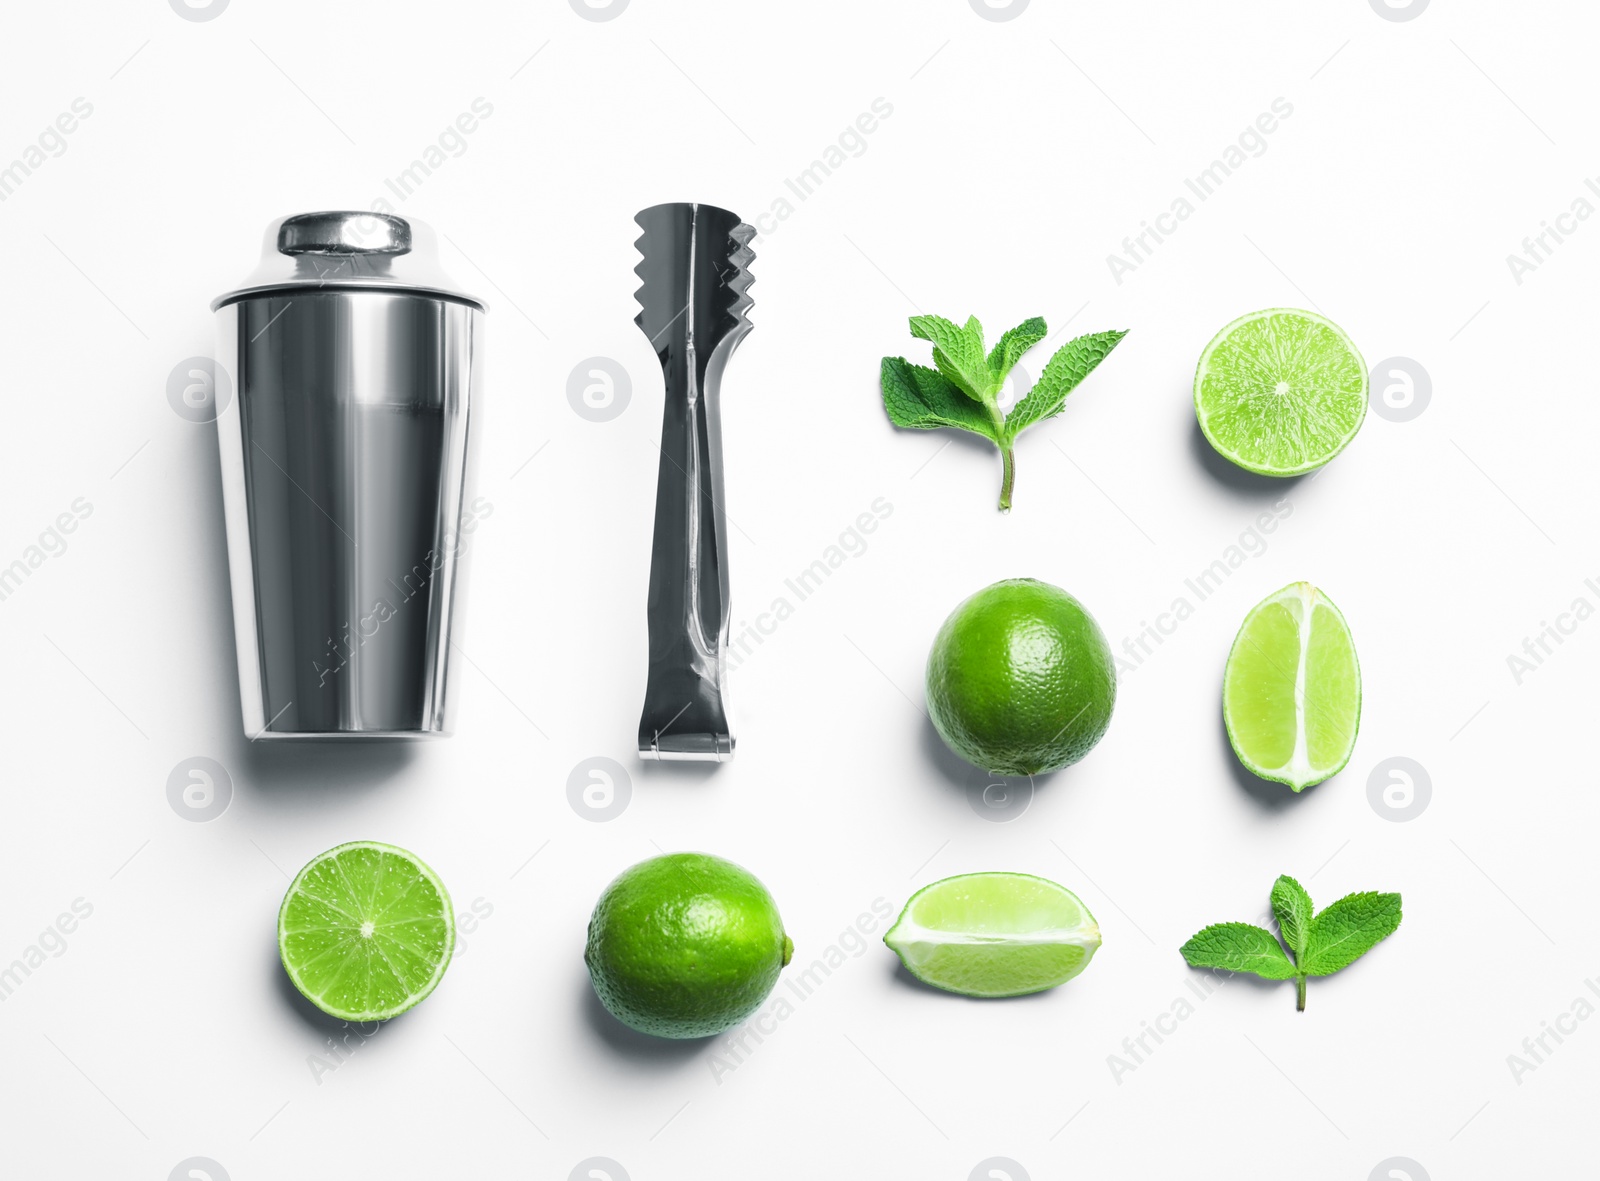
(1299, 994)
(1008, 476)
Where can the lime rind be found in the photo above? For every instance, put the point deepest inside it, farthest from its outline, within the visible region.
(402, 958)
(1020, 679)
(1287, 402)
(685, 945)
(1298, 770)
(992, 935)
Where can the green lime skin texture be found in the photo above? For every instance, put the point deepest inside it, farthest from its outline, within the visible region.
(685, 945)
(1020, 679)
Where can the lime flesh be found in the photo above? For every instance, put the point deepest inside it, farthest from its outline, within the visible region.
(1280, 392)
(994, 934)
(366, 931)
(1291, 692)
(685, 945)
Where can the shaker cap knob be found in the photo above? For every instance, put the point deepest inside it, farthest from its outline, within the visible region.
(348, 250)
(344, 233)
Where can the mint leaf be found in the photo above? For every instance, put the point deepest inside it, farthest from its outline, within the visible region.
(1347, 930)
(921, 398)
(1009, 350)
(1072, 362)
(958, 353)
(1291, 906)
(962, 388)
(1322, 945)
(1238, 947)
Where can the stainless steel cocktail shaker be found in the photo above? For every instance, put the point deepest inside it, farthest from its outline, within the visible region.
(346, 476)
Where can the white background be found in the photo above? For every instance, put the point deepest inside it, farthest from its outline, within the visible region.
(1018, 156)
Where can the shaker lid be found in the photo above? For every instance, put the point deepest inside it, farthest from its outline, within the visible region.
(344, 250)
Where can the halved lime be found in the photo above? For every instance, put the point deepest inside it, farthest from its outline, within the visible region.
(1291, 692)
(994, 934)
(1280, 392)
(366, 931)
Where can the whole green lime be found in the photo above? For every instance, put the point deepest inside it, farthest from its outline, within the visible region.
(1021, 679)
(685, 945)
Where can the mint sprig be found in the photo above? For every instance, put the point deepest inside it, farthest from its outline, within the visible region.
(1321, 944)
(963, 387)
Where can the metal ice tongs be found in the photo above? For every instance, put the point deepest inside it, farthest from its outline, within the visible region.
(693, 301)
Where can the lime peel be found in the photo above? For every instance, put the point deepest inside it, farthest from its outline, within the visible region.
(1291, 696)
(1020, 679)
(994, 935)
(685, 945)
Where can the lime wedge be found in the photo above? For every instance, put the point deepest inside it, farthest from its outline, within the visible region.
(366, 931)
(994, 934)
(1280, 392)
(1291, 693)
